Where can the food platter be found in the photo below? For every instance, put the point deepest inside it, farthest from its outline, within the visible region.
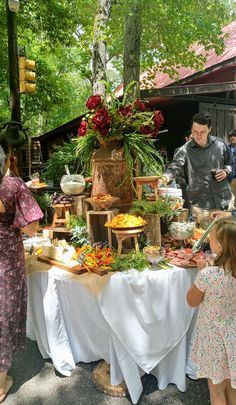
(184, 258)
(126, 228)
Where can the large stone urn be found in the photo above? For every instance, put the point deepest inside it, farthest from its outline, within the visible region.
(110, 174)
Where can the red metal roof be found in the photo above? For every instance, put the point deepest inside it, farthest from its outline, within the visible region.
(163, 79)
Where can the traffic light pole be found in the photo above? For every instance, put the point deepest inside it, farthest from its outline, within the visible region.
(13, 65)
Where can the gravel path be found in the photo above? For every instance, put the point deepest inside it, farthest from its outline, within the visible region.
(37, 383)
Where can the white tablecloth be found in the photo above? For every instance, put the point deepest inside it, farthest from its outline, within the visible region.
(140, 322)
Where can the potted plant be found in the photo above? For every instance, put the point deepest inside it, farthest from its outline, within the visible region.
(153, 211)
(125, 134)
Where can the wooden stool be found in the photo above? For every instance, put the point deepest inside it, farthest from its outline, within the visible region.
(122, 234)
(149, 180)
(109, 215)
(61, 215)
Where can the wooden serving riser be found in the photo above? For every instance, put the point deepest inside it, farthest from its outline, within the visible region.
(76, 269)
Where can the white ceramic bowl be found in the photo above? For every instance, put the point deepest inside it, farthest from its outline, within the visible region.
(74, 184)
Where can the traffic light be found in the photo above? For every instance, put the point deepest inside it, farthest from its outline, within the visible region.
(27, 75)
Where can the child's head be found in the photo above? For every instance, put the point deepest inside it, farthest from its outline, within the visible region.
(223, 243)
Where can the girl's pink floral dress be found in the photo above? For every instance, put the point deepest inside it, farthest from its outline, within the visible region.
(21, 209)
(214, 346)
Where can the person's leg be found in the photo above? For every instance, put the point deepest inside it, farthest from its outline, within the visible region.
(230, 394)
(5, 385)
(217, 392)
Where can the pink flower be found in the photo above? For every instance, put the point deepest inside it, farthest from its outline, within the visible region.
(93, 102)
(158, 119)
(82, 128)
(139, 105)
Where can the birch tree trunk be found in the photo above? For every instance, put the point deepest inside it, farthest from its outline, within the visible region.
(132, 42)
(100, 46)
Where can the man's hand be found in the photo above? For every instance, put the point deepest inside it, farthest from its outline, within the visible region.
(165, 179)
(221, 174)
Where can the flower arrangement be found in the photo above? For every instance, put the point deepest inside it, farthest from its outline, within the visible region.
(129, 122)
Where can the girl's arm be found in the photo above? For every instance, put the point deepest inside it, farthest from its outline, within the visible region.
(194, 296)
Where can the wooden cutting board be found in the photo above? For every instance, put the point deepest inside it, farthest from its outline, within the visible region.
(76, 269)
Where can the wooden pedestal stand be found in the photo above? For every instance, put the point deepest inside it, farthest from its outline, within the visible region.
(122, 234)
(62, 212)
(101, 378)
(153, 181)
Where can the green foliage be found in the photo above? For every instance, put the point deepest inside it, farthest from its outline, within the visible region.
(163, 207)
(132, 260)
(78, 228)
(58, 34)
(55, 166)
(75, 221)
(43, 200)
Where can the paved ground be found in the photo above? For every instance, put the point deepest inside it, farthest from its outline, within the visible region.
(37, 383)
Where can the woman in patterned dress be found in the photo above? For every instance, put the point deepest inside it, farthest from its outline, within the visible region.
(214, 346)
(18, 212)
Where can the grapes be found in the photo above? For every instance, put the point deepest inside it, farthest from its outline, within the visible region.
(62, 199)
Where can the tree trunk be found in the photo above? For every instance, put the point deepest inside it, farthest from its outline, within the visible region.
(132, 41)
(100, 46)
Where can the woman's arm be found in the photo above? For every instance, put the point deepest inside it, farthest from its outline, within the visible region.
(194, 296)
(31, 229)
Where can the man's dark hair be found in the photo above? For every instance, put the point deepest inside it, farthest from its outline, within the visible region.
(232, 133)
(202, 119)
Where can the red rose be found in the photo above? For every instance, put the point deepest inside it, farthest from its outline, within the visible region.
(125, 111)
(145, 129)
(93, 102)
(155, 133)
(101, 119)
(104, 131)
(82, 128)
(139, 105)
(158, 119)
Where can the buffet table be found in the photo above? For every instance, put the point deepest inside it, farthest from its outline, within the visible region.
(137, 322)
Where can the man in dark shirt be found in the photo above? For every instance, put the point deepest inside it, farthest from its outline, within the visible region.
(181, 179)
(198, 158)
(232, 176)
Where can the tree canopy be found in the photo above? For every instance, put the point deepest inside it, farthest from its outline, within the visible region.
(58, 34)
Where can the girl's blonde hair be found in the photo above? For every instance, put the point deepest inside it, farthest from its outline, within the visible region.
(225, 234)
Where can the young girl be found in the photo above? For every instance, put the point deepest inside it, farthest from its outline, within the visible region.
(214, 346)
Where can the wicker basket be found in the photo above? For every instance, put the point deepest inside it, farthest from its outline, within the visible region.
(101, 205)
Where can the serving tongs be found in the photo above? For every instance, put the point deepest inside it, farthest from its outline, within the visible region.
(197, 245)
